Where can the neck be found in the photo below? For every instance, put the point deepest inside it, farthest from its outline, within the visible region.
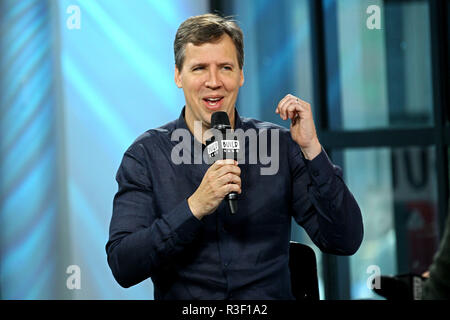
(200, 132)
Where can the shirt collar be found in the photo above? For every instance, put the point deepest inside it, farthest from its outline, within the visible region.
(181, 122)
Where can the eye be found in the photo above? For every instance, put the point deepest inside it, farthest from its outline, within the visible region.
(229, 68)
(197, 68)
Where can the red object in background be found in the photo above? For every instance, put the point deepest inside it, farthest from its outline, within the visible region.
(422, 235)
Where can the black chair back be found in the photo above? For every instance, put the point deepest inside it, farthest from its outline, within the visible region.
(303, 268)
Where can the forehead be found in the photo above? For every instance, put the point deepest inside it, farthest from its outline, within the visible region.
(220, 50)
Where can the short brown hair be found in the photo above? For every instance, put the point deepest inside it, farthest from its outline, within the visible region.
(207, 28)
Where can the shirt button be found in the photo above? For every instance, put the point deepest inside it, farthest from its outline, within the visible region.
(315, 173)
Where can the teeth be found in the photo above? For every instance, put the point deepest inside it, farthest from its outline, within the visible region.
(213, 99)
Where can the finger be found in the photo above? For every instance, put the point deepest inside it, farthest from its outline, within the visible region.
(226, 162)
(282, 108)
(289, 99)
(231, 187)
(228, 169)
(282, 101)
(291, 109)
(221, 163)
(294, 108)
(305, 106)
(288, 109)
(229, 178)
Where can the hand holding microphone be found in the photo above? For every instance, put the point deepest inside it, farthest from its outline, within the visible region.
(222, 178)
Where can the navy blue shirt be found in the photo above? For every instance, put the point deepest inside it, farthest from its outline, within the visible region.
(154, 234)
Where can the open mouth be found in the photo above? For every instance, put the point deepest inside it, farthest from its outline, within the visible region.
(213, 102)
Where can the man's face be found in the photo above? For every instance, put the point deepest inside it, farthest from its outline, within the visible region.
(210, 78)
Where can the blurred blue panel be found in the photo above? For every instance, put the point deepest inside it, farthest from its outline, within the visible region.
(117, 82)
(99, 112)
(28, 190)
(141, 61)
(76, 99)
(26, 261)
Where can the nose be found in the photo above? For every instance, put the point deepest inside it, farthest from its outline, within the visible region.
(213, 81)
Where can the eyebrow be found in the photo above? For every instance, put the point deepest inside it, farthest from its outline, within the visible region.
(200, 64)
(226, 64)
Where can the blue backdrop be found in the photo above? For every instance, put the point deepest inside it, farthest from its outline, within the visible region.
(80, 81)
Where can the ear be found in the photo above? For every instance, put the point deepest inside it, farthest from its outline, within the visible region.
(178, 78)
(241, 82)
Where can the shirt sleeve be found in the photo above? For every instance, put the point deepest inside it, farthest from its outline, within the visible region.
(323, 205)
(143, 242)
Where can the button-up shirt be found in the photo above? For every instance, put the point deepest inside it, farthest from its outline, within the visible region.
(245, 255)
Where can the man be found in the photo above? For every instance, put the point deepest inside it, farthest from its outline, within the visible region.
(169, 221)
(437, 285)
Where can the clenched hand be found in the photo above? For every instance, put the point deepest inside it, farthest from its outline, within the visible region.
(220, 179)
(303, 130)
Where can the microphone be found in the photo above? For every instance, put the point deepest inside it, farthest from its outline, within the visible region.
(223, 148)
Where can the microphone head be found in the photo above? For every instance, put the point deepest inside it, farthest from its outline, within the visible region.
(219, 119)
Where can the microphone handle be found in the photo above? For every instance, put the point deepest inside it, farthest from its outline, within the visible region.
(232, 197)
(232, 201)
